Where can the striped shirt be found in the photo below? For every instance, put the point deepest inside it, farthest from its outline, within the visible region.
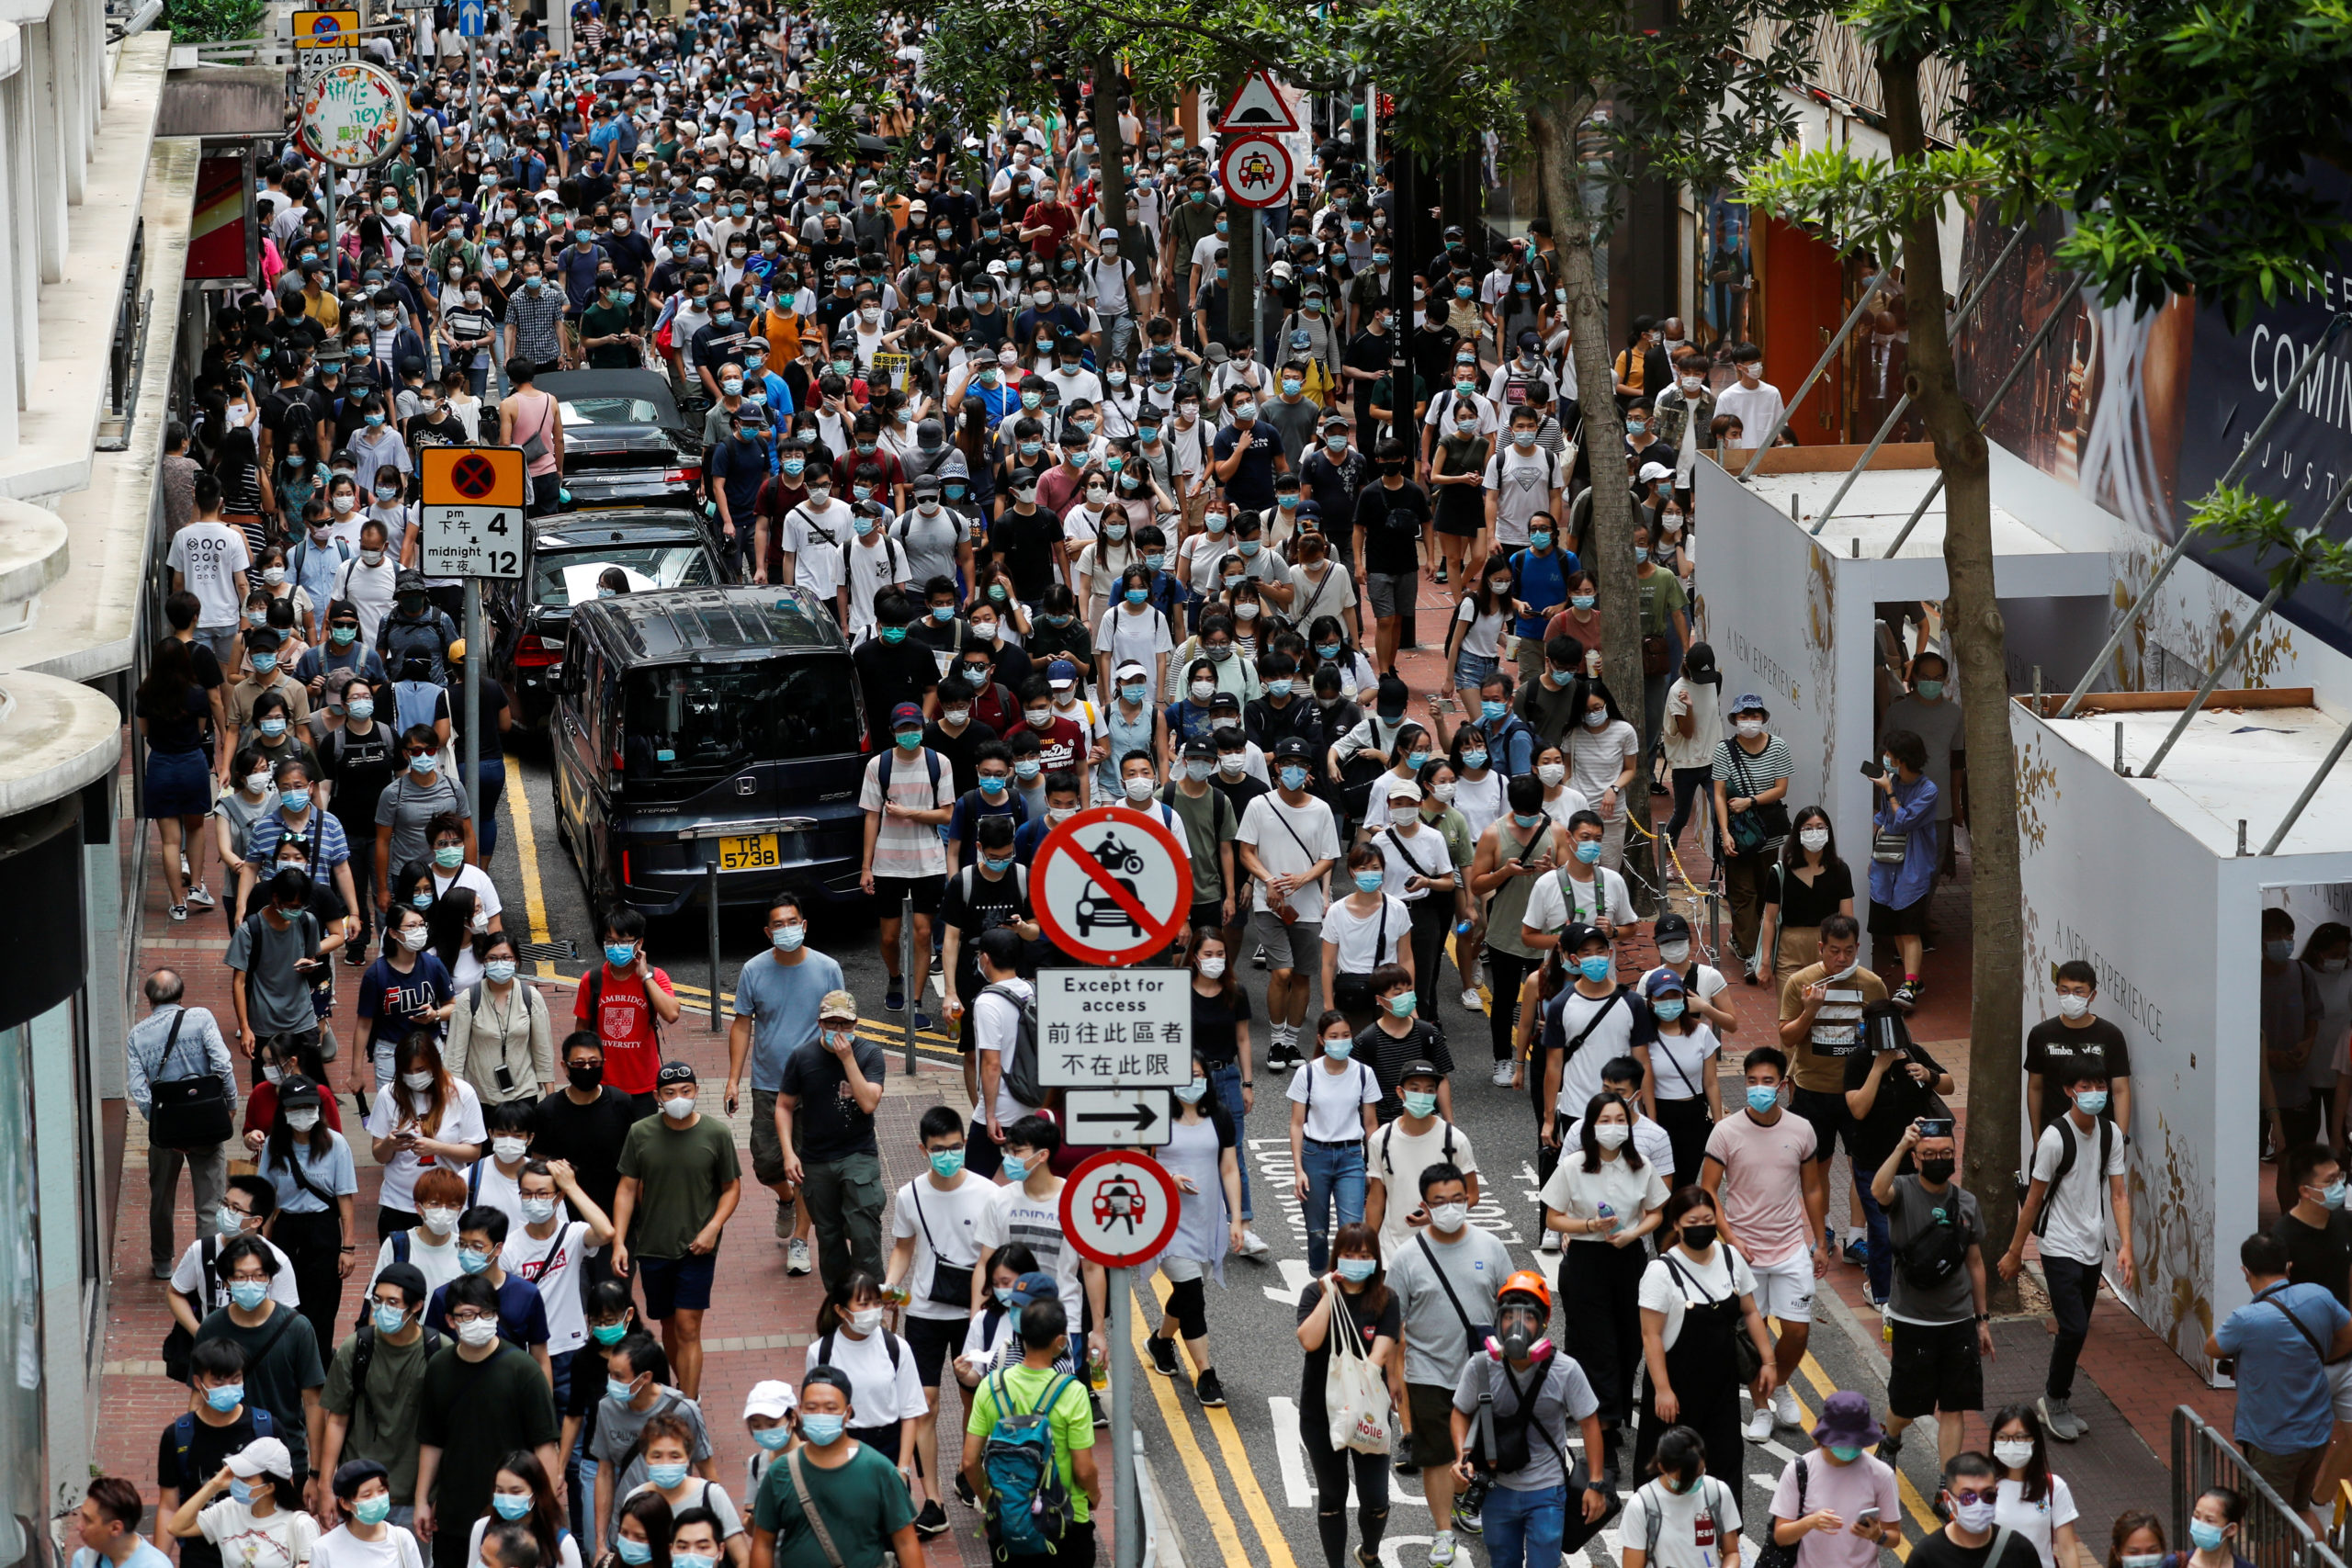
(1746, 774)
(269, 831)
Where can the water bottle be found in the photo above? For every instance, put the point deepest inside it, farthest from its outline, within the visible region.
(1609, 1214)
(1461, 927)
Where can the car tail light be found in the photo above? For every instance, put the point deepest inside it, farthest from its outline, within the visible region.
(683, 476)
(534, 652)
(626, 878)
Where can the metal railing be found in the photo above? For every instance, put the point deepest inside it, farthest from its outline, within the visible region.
(2272, 1535)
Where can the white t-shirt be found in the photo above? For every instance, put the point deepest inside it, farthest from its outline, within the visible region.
(814, 537)
(996, 1026)
(1662, 1290)
(1595, 758)
(923, 1215)
(1521, 483)
(1757, 408)
(880, 1393)
(208, 555)
(1480, 639)
(2078, 1206)
(439, 1264)
(1037, 1223)
(872, 568)
(488, 1185)
(1288, 851)
(1395, 1160)
(1362, 948)
(282, 1541)
(553, 1265)
(1686, 1522)
(1424, 848)
(1703, 702)
(1128, 632)
(187, 1275)
(2036, 1522)
(341, 1549)
(1613, 1036)
(1335, 594)
(1557, 898)
(1334, 1101)
(474, 880)
(460, 1124)
(1580, 1194)
(1680, 1064)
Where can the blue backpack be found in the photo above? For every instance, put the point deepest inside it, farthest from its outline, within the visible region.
(1029, 1508)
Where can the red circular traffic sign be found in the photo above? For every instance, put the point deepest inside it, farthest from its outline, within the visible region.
(1120, 1209)
(1256, 170)
(1111, 886)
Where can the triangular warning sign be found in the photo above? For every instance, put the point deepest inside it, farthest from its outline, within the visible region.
(1258, 107)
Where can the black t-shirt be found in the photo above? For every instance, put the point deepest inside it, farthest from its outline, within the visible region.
(1215, 1022)
(1387, 1322)
(183, 730)
(1938, 1551)
(962, 751)
(494, 702)
(589, 1135)
(888, 676)
(826, 1120)
(2054, 1049)
(477, 1414)
(1388, 1054)
(281, 1360)
(208, 1448)
(1901, 1098)
(1241, 792)
(1026, 545)
(972, 904)
(1803, 906)
(1391, 521)
(2320, 1257)
(359, 766)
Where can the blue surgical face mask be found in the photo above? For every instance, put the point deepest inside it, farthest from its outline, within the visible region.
(471, 1261)
(1278, 688)
(2090, 1102)
(636, 1553)
(1668, 1007)
(1588, 850)
(619, 953)
(993, 784)
(263, 663)
(773, 1439)
(1294, 777)
(1596, 966)
(2207, 1537)
(1762, 1098)
(1015, 1168)
(248, 1294)
(272, 727)
(1369, 881)
(242, 1490)
(1401, 1004)
(225, 1397)
(666, 1476)
(511, 1505)
(295, 800)
(1026, 768)
(390, 1318)
(1417, 760)
(1356, 1270)
(1133, 690)
(373, 1510)
(822, 1429)
(1339, 1050)
(1490, 710)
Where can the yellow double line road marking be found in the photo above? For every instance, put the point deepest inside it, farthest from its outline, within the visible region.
(1914, 1504)
(1274, 1547)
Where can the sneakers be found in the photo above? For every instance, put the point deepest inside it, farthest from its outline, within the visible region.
(2058, 1415)
(1906, 995)
(895, 1000)
(1858, 1252)
(1550, 1243)
(1785, 1409)
(795, 1256)
(964, 1492)
(783, 1222)
(932, 1520)
(1101, 1417)
(1890, 1447)
(922, 1021)
(1759, 1425)
(200, 897)
(179, 911)
(356, 955)
(1401, 1458)
(1163, 1357)
(1502, 1075)
(1212, 1392)
(1441, 1550)
(1472, 1001)
(1254, 1246)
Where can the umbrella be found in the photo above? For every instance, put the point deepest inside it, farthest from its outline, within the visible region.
(624, 78)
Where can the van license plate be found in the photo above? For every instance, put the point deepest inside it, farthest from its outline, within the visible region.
(748, 851)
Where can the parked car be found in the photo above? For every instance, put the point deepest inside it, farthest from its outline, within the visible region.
(700, 727)
(624, 443)
(563, 557)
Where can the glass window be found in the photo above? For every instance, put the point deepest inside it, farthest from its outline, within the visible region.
(684, 722)
(22, 1455)
(571, 578)
(609, 411)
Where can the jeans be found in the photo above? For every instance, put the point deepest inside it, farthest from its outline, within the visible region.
(493, 786)
(844, 1198)
(221, 640)
(1880, 1246)
(2074, 1290)
(1333, 1173)
(208, 1179)
(1226, 1083)
(1523, 1528)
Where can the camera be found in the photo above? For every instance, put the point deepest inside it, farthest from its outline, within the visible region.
(1873, 769)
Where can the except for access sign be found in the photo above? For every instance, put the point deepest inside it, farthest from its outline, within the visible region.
(1114, 1028)
(1134, 1117)
(1111, 886)
(1121, 1208)
(474, 503)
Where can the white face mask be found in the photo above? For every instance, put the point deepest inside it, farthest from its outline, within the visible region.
(677, 1108)
(1612, 1134)
(1814, 839)
(1750, 728)
(2072, 1005)
(1551, 774)
(413, 938)
(1211, 968)
(866, 1320)
(302, 1120)
(420, 1082)
(440, 1222)
(1139, 789)
(2015, 1453)
(1447, 1218)
(475, 1332)
(509, 1150)
(1673, 951)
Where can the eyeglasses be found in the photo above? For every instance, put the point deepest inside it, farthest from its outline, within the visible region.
(461, 1317)
(1974, 1495)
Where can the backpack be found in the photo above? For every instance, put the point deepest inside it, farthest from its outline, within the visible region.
(1653, 1495)
(400, 1240)
(889, 755)
(184, 1439)
(2067, 1146)
(822, 1353)
(1029, 1508)
(1936, 1254)
(1020, 1073)
(1389, 1138)
(363, 1356)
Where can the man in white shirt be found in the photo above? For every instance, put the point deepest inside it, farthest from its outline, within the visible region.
(996, 1013)
(1587, 1026)
(2081, 1187)
(1398, 1153)
(1752, 400)
(367, 581)
(209, 560)
(560, 1225)
(814, 533)
(871, 562)
(1581, 893)
(196, 1288)
(1288, 842)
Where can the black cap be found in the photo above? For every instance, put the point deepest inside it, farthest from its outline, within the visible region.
(1200, 750)
(1671, 924)
(294, 1089)
(1291, 746)
(408, 579)
(1573, 937)
(675, 1072)
(1418, 1068)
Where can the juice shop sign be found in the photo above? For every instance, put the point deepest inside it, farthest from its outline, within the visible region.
(353, 115)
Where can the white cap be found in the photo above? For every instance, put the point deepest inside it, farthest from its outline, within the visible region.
(262, 1456)
(771, 1398)
(1106, 234)
(1651, 471)
(1403, 789)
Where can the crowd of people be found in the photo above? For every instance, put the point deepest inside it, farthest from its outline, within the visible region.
(1092, 543)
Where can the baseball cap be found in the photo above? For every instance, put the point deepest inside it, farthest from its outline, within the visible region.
(1403, 789)
(837, 1004)
(1061, 673)
(1036, 1287)
(1662, 981)
(675, 1072)
(1291, 746)
(926, 484)
(1654, 471)
(262, 1456)
(1215, 353)
(1577, 934)
(294, 1089)
(1671, 924)
(772, 1397)
(1200, 750)
(904, 713)
(1528, 340)
(1226, 700)
(1419, 1068)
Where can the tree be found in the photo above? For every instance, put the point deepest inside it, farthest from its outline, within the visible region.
(2174, 134)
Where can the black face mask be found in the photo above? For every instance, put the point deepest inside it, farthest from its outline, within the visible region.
(585, 1074)
(1698, 1238)
(1935, 1172)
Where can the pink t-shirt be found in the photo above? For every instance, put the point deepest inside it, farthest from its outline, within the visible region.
(1846, 1490)
(1763, 1184)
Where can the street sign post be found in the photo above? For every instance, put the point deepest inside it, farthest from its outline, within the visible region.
(472, 17)
(1114, 1028)
(325, 36)
(473, 518)
(352, 114)
(1128, 1117)
(1257, 107)
(1120, 1209)
(1111, 886)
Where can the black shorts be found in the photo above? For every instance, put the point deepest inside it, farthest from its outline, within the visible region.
(675, 1284)
(933, 1340)
(889, 892)
(1933, 1367)
(1909, 920)
(1432, 1407)
(1208, 916)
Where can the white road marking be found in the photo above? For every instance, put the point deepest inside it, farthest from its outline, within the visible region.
(1296, 1276)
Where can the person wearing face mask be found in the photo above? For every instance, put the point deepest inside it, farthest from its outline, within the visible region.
(1770, 1192)
(525, 1523)
(479, 1403)
(1984, 1526)
(1937, 1315)
(264, 676)
(309, 1167)
(1605, 1197)
(178, 1043)
(1889, 1083)
(1351, 1305)
(521, 1311)
(254, 1504)
(1332, 1099)
(1201, 1153)
(1752, 770)
(1697, 1301)
(501, 1037)
(1752, 400)
(930, 1277)
(1446, 1282)
(1838, 1505)
(825, 1099)
(197, 1289)
(365, 581)
(370, 1406)
(1509, 1417)
(680, 1183)
(2079, 1193)
(281, 1366)
(218, 1423)
(777, 998)
(1685, 1517)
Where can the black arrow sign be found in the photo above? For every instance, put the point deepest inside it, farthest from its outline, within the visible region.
(1139, 1116)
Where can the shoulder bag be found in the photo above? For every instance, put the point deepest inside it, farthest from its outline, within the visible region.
(809, 1511)
(1762, 822)
(189, 1113)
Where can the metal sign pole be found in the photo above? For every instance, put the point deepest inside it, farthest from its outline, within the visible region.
(475, 654)
(1125, 1505)
(907, 968)
(710, 898)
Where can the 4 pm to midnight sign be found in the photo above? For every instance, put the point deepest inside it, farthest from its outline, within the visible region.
(1114, 1028)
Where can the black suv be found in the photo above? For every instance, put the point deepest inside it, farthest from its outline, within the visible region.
(708, 726)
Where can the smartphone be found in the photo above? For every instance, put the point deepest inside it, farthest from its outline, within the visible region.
(1867, 1517)
(1935, 1127)
(1873, 769)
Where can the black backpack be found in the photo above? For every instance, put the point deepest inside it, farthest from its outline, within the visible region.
(1021, 1072)
(1936, 1254)
(2068, 1146)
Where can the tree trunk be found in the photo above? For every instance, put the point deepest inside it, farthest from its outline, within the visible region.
(1109, 167)
(1974, 616)
(1553, 127)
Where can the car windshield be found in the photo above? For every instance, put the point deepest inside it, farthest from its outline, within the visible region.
(690, 721)
(609, 411)
(569, 577)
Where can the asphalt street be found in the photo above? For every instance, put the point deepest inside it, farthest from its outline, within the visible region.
(1235, 1480)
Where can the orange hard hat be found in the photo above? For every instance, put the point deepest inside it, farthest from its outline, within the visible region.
(1527, 1281)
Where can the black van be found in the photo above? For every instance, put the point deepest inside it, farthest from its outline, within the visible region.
(701, 725)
